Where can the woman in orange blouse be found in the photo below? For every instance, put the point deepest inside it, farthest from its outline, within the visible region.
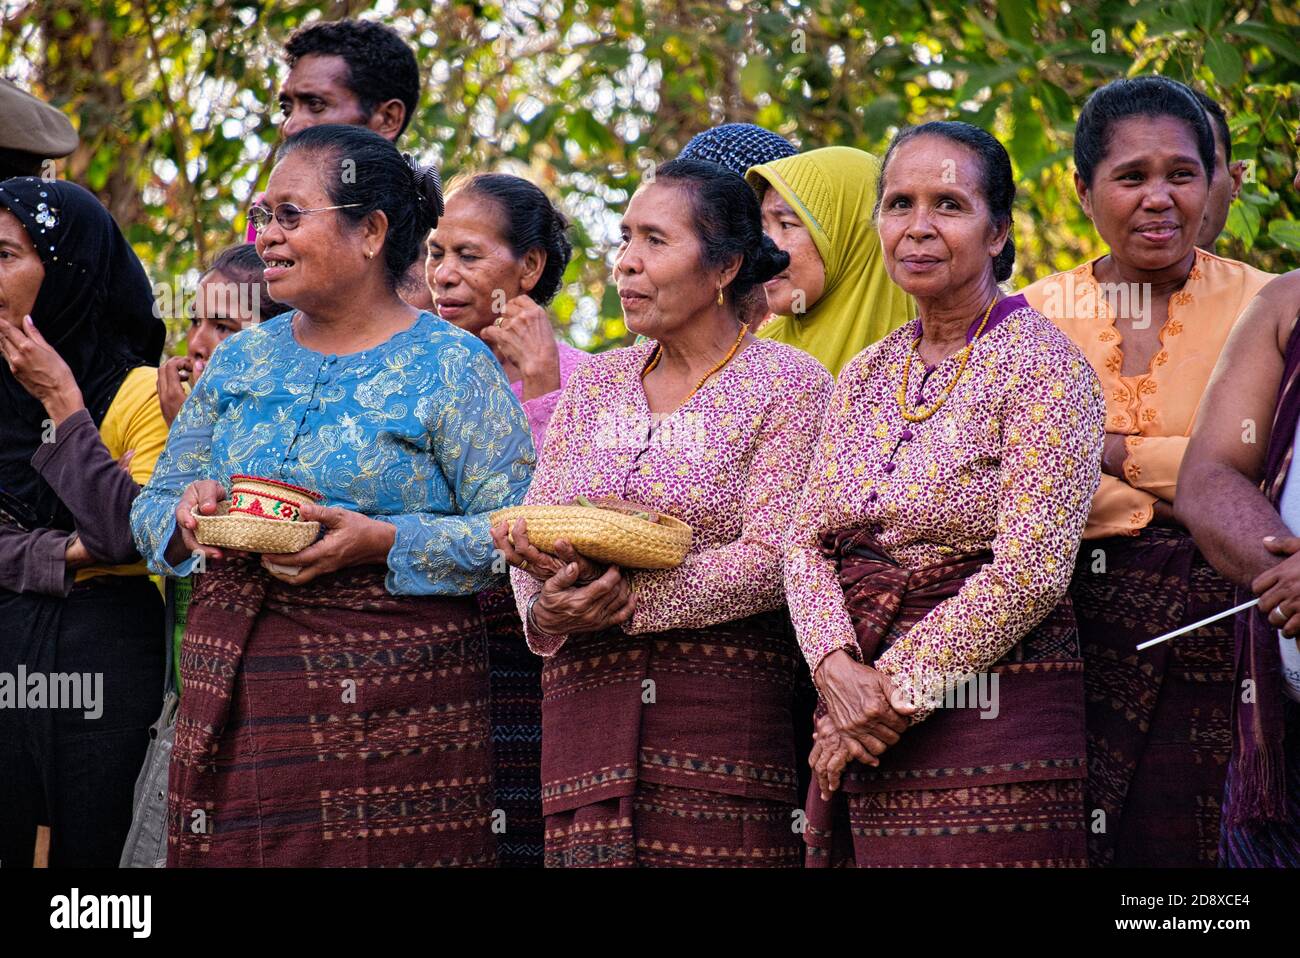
(1151, 316)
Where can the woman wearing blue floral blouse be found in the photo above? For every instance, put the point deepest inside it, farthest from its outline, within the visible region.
(336, 699)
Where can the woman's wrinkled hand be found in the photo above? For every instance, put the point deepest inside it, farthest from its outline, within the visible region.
(513, 544)
(40, 369)
(862, 702)
(565, 607)
(523, 336)
(831, 753)
(350, 539)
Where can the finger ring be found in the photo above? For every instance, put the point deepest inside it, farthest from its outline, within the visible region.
(498, 321)
(1277, 610)
(523, 563)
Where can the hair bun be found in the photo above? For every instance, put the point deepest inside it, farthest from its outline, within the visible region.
(428, 186)
(768, 260)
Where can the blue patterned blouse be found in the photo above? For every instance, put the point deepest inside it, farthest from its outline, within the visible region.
(421, 431)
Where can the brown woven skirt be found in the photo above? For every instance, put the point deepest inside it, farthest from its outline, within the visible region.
(330, 724)
(1159, 721)
(660, 826)
(959, 789)
(516, 677)
(672, 749)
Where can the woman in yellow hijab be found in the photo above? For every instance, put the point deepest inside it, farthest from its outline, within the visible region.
(836, 298)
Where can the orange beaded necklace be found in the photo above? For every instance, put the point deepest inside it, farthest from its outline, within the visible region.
(725, 359)
(922, 413)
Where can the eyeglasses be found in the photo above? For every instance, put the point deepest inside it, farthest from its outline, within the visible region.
(288, 215)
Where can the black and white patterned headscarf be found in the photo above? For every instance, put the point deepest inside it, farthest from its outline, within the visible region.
(737, 146)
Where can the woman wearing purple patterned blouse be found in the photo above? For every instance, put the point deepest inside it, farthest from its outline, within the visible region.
(932, 548)
(667, 733)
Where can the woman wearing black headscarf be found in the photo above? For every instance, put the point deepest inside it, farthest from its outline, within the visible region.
(81, 659)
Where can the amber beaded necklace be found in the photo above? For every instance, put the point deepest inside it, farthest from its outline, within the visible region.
(725, 359)
(922, 413)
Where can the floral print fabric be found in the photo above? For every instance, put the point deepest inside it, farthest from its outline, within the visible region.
(730, 462)
(1008, 463)
(420, 431)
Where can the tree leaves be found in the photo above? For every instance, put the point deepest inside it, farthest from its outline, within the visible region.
(1222, 58)
(1285, 233)
(1243, 223)
(583, 96)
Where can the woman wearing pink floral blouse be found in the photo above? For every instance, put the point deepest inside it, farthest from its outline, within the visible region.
(666, 726)
(931, 551)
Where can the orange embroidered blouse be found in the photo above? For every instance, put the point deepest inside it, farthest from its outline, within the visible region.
(1156, 409)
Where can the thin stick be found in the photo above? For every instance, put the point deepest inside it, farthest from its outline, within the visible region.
(1196, 625)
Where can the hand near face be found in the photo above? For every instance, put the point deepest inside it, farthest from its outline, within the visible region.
(40, 369)
(172, 377)
(524, 338)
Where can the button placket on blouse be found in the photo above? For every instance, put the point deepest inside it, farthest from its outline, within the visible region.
(639, 466)
(323, 376)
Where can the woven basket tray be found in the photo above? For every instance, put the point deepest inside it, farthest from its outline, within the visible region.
(251, 534)
(606, 535)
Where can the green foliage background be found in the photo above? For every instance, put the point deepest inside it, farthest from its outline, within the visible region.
(176, 102)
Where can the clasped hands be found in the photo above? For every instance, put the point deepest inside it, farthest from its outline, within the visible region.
(866, 714)
(578, 595)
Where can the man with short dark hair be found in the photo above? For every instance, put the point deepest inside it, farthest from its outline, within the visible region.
(1228, 174)
(349, 71)
(358, 73)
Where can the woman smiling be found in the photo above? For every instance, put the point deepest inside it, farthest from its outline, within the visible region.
(934, 541)
(1152, 316)
(495, 261)
(336, 699)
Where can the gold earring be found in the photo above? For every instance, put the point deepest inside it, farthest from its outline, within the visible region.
(721, 300)
(370, 254)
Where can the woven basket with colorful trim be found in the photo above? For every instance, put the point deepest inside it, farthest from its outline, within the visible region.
(251, 534)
